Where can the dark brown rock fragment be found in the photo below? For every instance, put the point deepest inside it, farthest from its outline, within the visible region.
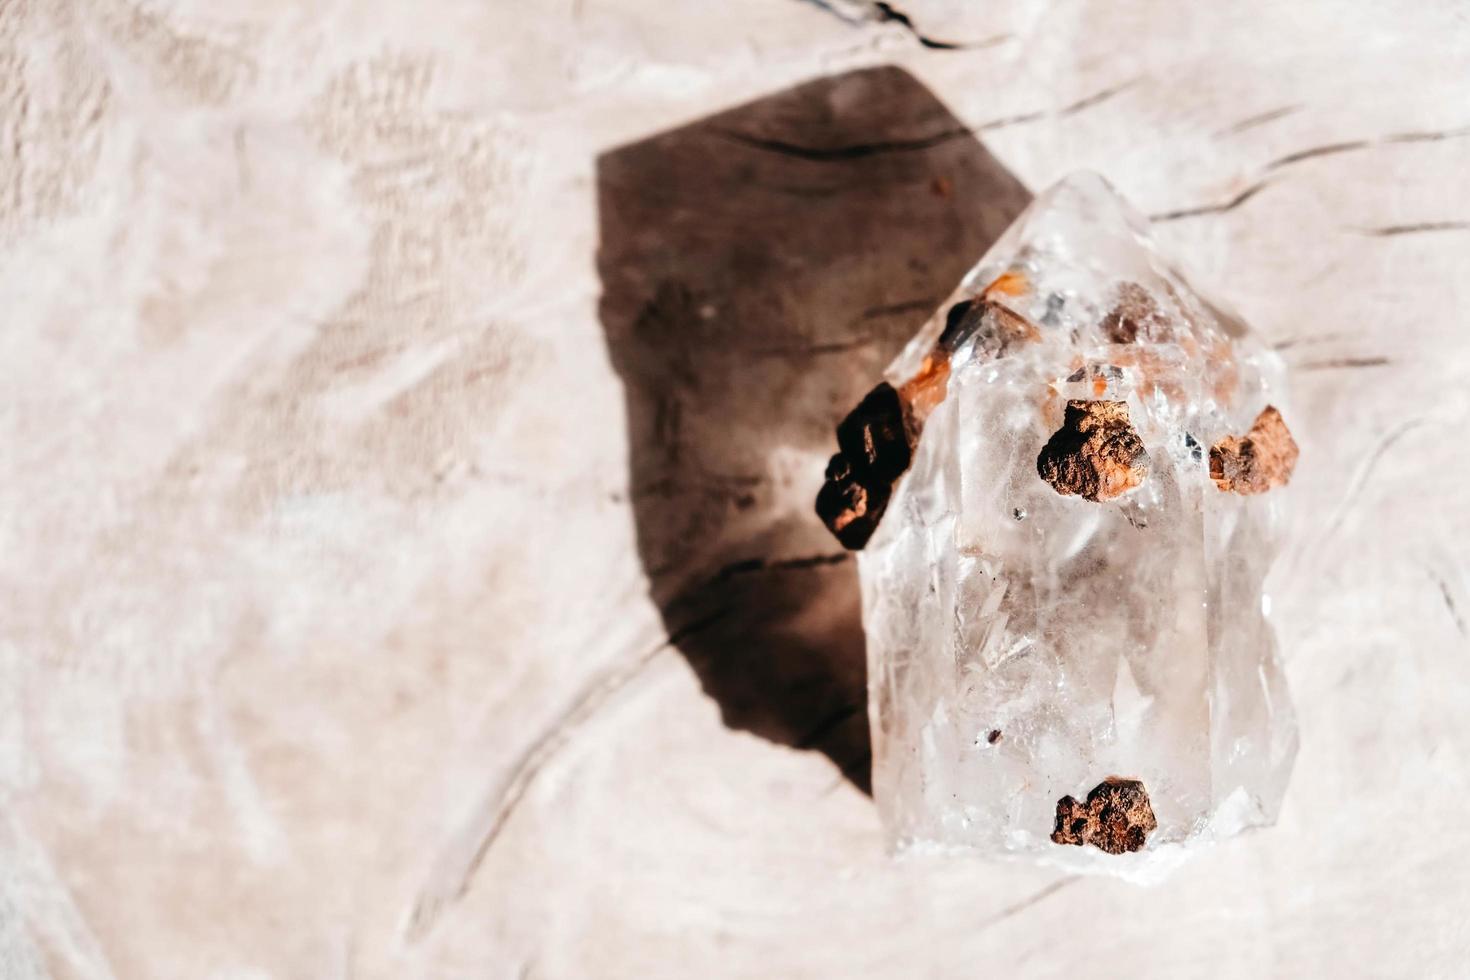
(849, 507)
(1260, 460)
(874, 437)
(1116, 817)
(875, 445)
(1096, 454)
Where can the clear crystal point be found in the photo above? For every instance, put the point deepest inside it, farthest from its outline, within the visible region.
(1025, 643)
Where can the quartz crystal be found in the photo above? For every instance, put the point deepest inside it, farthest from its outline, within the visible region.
(1067, 495)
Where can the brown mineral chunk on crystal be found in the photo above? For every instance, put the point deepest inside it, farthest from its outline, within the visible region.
(1096, 454)
(1258, 461)
(875, 444)
(850, 509)
(875, 438)
(1116, 818)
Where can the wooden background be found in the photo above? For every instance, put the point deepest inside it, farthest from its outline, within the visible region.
(410, 419)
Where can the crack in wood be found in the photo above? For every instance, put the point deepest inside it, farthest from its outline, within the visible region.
(1316, 338)
(1336, 363)
(858, 151)
(907, 306)
(1221, 208)
(1350, 146)
(750, 565)
(1329, 149)
(1326, 150)
(1033, 899)
(544, 748)
(1449, 603)
(1365, 472)
(880, 12)
(1070, 109)
(887, 12)
(854, 151)
(1390, 231)
(456, 865)
(813, 350)
(1260, 119)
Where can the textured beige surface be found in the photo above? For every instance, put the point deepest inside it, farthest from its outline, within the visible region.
(381, 391)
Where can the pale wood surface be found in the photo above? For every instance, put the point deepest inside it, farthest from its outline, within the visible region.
(412, 411)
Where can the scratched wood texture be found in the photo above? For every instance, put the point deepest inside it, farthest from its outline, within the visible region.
(410, 419)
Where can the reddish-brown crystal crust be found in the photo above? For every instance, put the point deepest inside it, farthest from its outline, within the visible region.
(1260, 460)
(1116, 818)
(1096, 454)
(875, 444)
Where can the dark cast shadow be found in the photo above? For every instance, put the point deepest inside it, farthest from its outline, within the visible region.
(759, 268)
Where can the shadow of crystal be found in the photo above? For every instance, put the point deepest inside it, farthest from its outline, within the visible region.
(759, 268)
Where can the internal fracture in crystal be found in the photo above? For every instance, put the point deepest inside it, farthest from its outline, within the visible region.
(1058, 585)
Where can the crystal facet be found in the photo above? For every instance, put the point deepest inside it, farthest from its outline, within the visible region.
(1061, 604)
